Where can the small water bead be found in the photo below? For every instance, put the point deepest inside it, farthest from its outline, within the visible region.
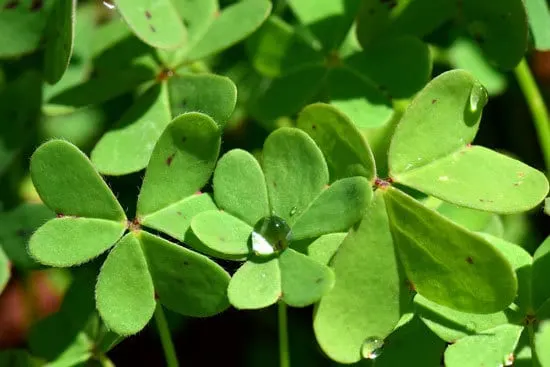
(478, 97)
(293, 211)
(372, 347)
(271, 235)
(109, 4)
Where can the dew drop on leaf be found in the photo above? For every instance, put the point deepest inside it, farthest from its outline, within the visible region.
(372, 347)
(478, 98)
(271, 235)
(109, 5)
(293, 211)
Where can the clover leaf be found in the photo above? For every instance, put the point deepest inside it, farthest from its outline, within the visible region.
(5, 269)
(263, 208)
(361, 83)
(141, 267)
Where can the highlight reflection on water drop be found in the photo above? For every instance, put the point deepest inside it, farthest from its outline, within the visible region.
(478, 97)
(271, 235)
(109, 4)
(372, 347)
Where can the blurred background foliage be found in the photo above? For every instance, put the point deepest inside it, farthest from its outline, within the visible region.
(29, 115)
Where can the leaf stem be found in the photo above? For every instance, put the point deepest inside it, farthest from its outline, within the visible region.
(284, 355)
(538, 109)
(531, 332)
(165, 338)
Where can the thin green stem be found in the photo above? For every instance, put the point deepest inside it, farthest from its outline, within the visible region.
(536, 104)
(531, 332)
(284, 355)
(165, 338)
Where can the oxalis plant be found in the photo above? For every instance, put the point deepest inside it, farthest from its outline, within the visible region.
(183, 159)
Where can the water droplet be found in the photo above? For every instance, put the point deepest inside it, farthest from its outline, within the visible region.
(271, 235)
(293, 211)
(109, 4)
(372, 347)
(478, 97)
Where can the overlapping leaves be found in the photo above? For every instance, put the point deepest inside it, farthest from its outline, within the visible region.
(141, 267)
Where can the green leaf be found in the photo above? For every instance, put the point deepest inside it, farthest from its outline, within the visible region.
(303, 280)
(239, 186)
(210, 94)
(175, 220)
(18, 358)
(181, 163)
(336, 209)
(155, 23)
(21, 26)
(278, 48)
(235, 23)
(70, 241)
(329, 20)
(345, 149)
(69, 185)
(411, 345)
(473, 220)
(446, 263)
(125, 296)
(451, 325)
(185, 282)
(479, 178)
(369, 292)
(495, 347)
(542, 343)
(324, 248)
(541, 272)
(400, 65)
(441, 119)
(256, 284)
(500, 29)
(358, 98)
(16, 229)
(197, 17)
(59, 39)
(5, 270)
(222, 233)
(465, 54)
(538, 15)
(295, 172)
(128, 147)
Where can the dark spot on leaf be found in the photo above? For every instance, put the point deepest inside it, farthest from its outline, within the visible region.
(318, 280)
(156, 296)
(178, 213)
(434, 100)
(521, 174)
(486, 201)
(36, 5)
(517, 183)
(183, 139)
(274, 184)
(11, 4)
(185, 23)
(314, 127)
(469, 260)
(222, 239)
(184, 103)
(152, 28)
(170, 159)
(185, 263)
(410, 285)
(147, 14)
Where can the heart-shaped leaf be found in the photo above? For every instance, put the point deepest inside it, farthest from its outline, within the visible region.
(16, 229)
(277, 48)
(156, 23)
(128, 147)
(324, 248)
(5, 269)
(239, 186)
(69, 185)
(336, 209)
(345, 149)
(125, 296)
(256, 284)
(210, 94)
(358, 97)
(181, 163)
(222, 233)
(234, 23)
(541, 272)
(480, 178)
(495, 347)
(446, 263)
(175, 220)
(70, 241)
(59, 39)
(400, 65)
(442, 119)
(367, 298)
(303, 280)
(329, 20)
(295, 172)
(500, 29)
(185, 282)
